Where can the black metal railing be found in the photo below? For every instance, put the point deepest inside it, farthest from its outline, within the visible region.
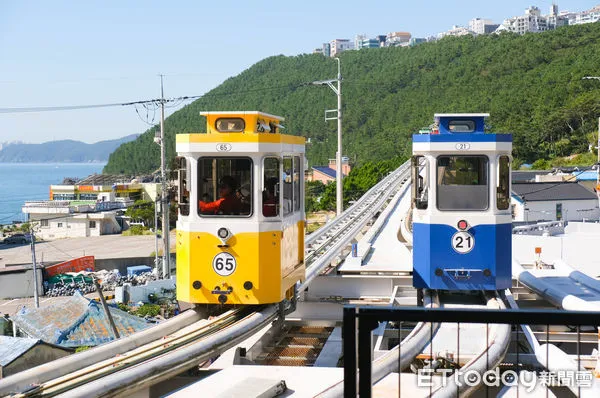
(361, 321)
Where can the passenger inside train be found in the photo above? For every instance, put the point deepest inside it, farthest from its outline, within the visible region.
(228, 203)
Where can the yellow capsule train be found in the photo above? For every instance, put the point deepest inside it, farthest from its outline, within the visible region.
(240, 230)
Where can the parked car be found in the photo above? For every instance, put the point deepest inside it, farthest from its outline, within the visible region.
(16, 238)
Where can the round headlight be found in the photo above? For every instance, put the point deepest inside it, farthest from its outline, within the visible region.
(223, 233)
(462, 225)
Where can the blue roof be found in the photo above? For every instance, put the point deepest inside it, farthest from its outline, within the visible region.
(77, 322)
(588, 175)
(13, 347)
(328, 171)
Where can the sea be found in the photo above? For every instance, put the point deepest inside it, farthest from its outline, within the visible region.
(21, 182)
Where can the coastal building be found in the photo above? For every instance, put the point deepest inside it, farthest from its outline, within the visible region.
(340, 45)
(361, 41)
(19, 353)
(88, 207)
(57, 219)
(553, 201)
(532, 21)
(455, 31)
(327, 174)
(481, 26)
(395, 39)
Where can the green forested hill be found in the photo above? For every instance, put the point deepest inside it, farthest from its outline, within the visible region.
(531, 85)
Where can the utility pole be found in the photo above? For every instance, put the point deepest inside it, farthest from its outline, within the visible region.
(338, 156)
(33, 261)
(163, 195)
(597, 145)
(156, 232)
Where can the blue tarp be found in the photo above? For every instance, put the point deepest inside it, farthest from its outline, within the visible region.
(138, 269)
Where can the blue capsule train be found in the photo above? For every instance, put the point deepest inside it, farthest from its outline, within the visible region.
(461, 216)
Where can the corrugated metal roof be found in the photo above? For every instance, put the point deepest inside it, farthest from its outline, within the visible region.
(589, 175)
(328, 171)
(12, 348)
(550, 191)
(76, 322)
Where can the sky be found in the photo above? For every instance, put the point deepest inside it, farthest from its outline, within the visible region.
(68, 53)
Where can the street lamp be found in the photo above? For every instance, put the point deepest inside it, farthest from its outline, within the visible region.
(338, 158)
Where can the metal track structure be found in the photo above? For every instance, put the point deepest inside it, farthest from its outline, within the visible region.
(96, 374)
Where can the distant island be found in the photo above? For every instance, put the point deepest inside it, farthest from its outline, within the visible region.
(63, 151)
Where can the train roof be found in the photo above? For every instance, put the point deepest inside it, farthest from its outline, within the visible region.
(444, 115)
(241, 113)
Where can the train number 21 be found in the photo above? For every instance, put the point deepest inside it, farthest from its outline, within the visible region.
(463, 242)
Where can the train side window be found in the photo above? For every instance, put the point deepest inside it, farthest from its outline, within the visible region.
(297, 178)
(288, 194)
(503, 188)
(184, 187)
(420, 182)
(225, 186)
(271, 183)
(462, 183)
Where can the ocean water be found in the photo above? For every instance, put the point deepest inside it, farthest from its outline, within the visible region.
(21, 182)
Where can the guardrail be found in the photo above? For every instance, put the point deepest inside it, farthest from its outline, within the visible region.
(358, 353)
(547, 227)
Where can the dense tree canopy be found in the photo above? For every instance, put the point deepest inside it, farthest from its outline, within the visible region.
(531, 85)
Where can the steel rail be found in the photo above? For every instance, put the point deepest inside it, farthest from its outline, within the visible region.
(399, 357)
(340, 238)
(173, 363)
(489, 358)
(366, 200)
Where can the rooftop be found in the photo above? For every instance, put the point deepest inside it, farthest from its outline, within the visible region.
(551, 191)
(77, 322)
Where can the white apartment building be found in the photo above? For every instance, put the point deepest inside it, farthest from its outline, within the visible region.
(340, 45)
(532, 21)
(477, 25)
(455, 31)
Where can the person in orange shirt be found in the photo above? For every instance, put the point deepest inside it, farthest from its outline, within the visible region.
(228, 202)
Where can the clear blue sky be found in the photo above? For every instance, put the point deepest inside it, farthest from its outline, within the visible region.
(58, 53)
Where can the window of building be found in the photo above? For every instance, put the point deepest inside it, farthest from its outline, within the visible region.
(503, 188)
(43, 223)
(184, 193)
(59, 225)
(270, 191)
(225, 186)
(420, 182)
(559, 215)
(88, 196)
(92, 224)
(462, 183)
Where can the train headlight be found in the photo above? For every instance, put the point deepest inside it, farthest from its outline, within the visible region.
(223, 233)
(462, 225)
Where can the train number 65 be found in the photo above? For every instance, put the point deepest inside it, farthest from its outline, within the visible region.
(224, 264)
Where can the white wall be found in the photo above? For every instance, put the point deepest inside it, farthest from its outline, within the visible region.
(572, 210)
(578, 247)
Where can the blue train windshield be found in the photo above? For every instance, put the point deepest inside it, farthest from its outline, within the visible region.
(462, 182)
